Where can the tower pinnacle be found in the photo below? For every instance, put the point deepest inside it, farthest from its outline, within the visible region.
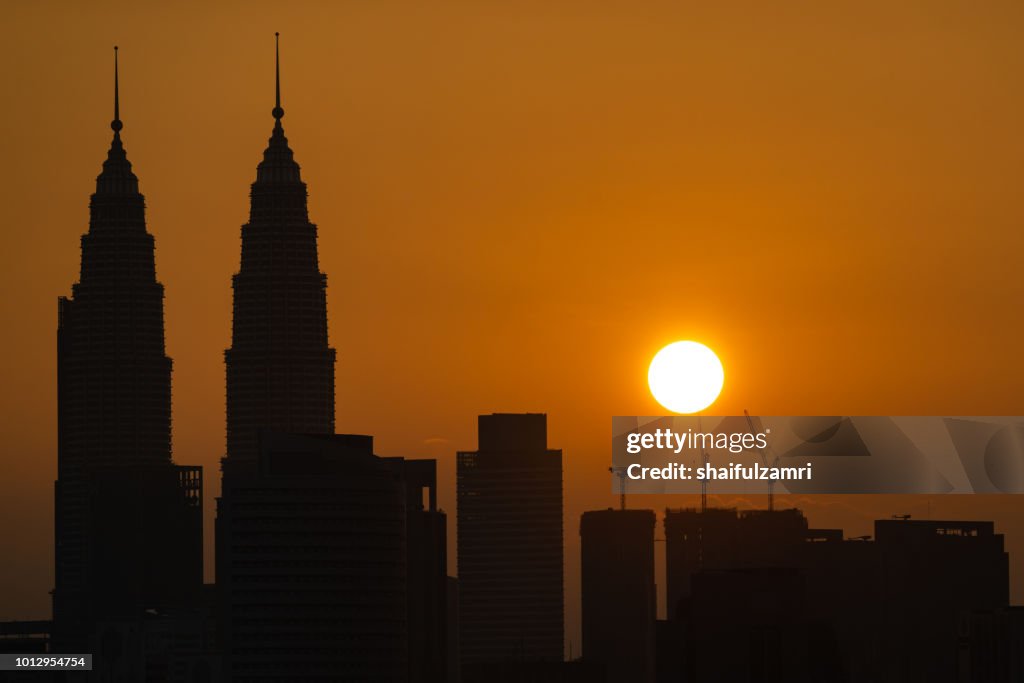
(278, 112)
(117, 177)
(116, 124)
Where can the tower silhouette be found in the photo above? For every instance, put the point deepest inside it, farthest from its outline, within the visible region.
(325, 552)
(510, 541)
(114, 379)
(280, 369)
(128, 523)
(618, 595)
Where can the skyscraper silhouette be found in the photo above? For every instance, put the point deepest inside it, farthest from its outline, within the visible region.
(312, 563)
(330, 560)
(901, 603)
(618, 592)
(128, 523)
(509, 495)
(280, 370)
(726, 538)
(757, 595)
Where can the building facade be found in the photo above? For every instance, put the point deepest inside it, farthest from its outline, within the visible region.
(509, 497)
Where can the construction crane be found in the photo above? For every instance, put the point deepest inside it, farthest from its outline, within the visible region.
(704, 460)
(764, 459)
(620, 472)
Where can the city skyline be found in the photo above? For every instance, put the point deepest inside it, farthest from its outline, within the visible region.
(198, 408)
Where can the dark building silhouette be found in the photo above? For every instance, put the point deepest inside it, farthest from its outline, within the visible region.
(313, 563)
(333, 564)
(669, 652)
(618, 593)
(331, 561)
(991, 646)
(128, 522)
(31, 638)
(725, 538)
(452, 630)
(429, 615)
(899, 603)
(169, 645)
(509, 495)
(754, 624)
(280, 369)
(25, 637)
(764, 598)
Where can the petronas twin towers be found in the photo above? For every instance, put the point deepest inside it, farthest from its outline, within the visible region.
(129, 521)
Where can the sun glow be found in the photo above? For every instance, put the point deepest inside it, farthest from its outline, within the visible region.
(685, 377)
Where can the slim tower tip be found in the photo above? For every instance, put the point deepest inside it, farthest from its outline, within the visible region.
(116, 124)
(278, 112)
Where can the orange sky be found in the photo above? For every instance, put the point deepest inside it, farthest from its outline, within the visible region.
(520, 203)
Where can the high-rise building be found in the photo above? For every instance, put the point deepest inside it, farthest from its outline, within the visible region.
(762, 597)
(332, 564)
(509, 496)
(618, 593)
(725, 538)
(331, 561)
(901, 602)
(280, 369)
(429, 611)
(128, 522)
(313, 563)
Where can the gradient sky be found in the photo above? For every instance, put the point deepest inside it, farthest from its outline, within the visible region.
(519, 203)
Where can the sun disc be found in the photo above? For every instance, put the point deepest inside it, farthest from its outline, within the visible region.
(685, 377)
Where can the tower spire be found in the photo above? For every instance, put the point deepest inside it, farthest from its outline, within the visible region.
(117, 176)
(116, 124)
(278, 112)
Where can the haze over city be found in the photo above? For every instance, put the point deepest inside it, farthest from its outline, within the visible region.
(516, 210)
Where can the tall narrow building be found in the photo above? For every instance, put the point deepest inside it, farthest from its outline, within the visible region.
(128, 523)
(509, 495)
(280, 369)
(330, 560)
(618, 593)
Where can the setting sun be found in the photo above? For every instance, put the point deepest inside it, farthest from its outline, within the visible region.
(685, 377)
